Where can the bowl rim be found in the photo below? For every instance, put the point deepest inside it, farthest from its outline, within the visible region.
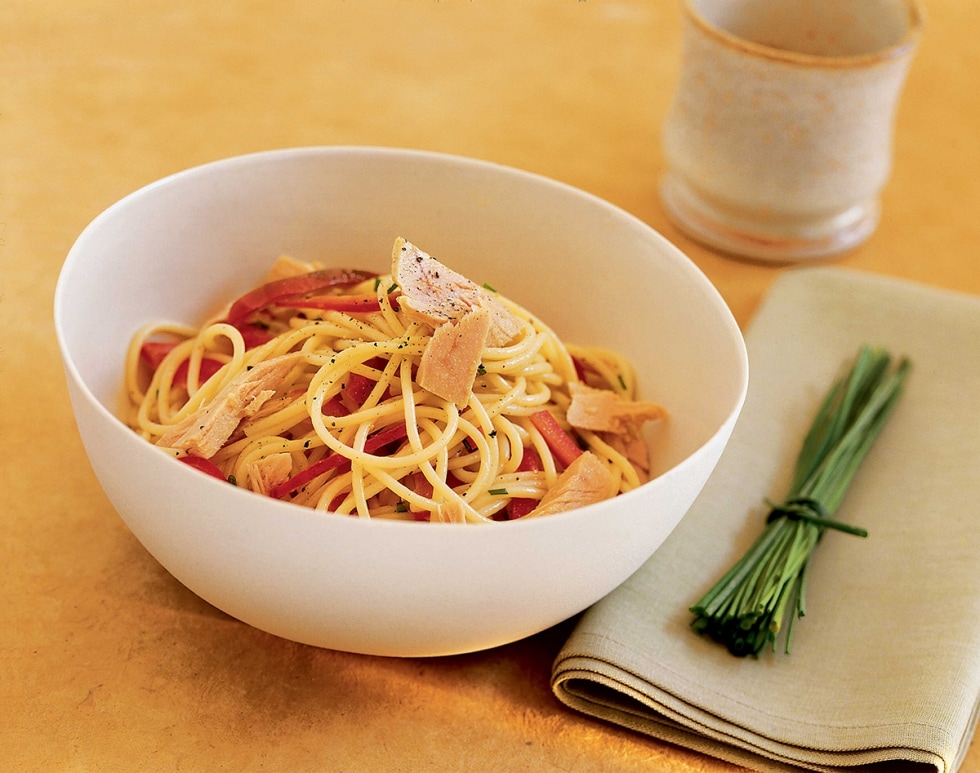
(683, 261)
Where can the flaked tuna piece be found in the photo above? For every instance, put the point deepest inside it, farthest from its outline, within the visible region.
(602, 410)
(632, 446)
(269, 471)
(452, 356)
(584, 481)
(434, 294)
(205, 432)
(453, 511)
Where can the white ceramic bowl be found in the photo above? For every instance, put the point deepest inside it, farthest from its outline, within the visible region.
(181, 246)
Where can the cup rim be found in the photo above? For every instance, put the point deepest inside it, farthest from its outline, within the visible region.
(901, 48)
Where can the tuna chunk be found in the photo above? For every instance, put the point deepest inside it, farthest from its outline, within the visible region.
(453, 511)
(584, 481)
(434, 294)
(602, 410)
(632, 447)
(205, 432)
(452, 356)
(269, 471)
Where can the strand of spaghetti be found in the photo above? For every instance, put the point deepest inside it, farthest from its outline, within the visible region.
(357, 473)
(501, 394)
(461, 465)
(316, 328)
(552, 347)
(324, 497)
(367, 481)
(381, 329)
(384, 380)
(409, 408)
(427, 451)
(524, 485)
(522, 397)
(524, 362)
(205, 344)
(360, 463)
(327, 381)
(134, 352)
(284, 342)
(416, 422)
(490, 458)
(342, 428)
(514, 440)
(390, 480)
(516, 356)
(334, 365)
(390, 316)
(277, 422)
(437, 476)
(257, 450)
(156, 412)
(364, 327)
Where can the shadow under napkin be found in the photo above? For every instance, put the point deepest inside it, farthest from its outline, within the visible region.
(885, 668)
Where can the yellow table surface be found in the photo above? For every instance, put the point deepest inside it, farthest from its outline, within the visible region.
(106, 662)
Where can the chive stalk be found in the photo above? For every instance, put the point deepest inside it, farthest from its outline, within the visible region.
(765, 590)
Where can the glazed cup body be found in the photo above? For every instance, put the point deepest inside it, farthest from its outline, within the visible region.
(779, 138)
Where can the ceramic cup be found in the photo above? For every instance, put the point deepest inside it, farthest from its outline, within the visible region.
(779, 137)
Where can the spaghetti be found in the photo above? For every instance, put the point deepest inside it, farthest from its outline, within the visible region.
(412, 395)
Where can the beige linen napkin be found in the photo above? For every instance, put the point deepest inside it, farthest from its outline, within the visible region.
(885, 666)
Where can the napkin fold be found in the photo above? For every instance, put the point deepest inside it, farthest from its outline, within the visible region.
(884, 670)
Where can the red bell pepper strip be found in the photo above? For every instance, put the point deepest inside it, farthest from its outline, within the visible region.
(208, 368)
(423, 487)
(357, 388)
(518, 507)
(562, 445)
(204, 465)
(254, 334)
(385, 437)
(581, 369)
(338, 461)
(154, 352)
(351, 304)
(293, 287)
(335, 407)
(300, 479)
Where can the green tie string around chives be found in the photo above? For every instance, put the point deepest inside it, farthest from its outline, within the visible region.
(765, 591)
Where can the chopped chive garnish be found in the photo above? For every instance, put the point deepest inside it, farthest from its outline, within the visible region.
(498, 492)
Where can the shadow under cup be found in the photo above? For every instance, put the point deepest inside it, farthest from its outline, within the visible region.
(779, 138)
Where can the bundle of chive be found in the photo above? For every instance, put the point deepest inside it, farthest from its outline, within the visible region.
(747, 608)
